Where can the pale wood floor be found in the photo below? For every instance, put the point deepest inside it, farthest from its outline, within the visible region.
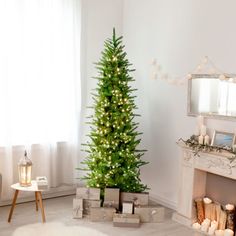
(60, 209)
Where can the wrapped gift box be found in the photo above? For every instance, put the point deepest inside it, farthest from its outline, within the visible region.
(127, 207)
(112, 197)
(88, 193)
(88, 204)
(139, 199)
(150, 214)
(112, 204)
(126, 220)
(101, 214)
(42, 182)
(77, 208)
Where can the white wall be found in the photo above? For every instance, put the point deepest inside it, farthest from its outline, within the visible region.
(98, 20)
(179, 34)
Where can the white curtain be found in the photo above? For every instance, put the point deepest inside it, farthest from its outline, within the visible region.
(39, 88)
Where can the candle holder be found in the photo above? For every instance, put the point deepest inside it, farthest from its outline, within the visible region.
(25, 171)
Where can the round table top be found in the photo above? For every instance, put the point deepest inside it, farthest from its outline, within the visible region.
(32, 188)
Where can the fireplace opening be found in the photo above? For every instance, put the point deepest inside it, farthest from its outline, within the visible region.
(220, 189)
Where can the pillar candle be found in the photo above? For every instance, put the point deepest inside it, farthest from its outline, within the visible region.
(200, 139)
(207, 200)
(204, 227)
(229, 207)
(207, 207)
(219, 232)
(212, 230)
(229, 232)
(197, 131)
(207, 140)
(196, 226)
(214, 223)
(203, 130)
(234, 148)
(200, 121)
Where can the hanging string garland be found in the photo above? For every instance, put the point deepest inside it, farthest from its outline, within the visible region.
(206, 66)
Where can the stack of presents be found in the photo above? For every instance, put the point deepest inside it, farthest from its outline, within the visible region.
(124, 209)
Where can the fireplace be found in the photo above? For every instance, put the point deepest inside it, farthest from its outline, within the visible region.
(206, 174)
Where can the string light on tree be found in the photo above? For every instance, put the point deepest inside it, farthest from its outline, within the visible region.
(113, 138)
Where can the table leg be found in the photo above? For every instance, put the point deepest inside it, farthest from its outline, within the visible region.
(13, 205)
(41, 205)
(36, 201)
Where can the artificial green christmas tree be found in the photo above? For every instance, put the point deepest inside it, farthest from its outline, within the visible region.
(113, 158)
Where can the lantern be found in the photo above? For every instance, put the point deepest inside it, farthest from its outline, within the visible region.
(25, 170)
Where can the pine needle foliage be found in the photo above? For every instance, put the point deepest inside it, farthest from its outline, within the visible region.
(114, 159)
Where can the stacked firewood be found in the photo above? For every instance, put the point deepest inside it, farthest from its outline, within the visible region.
(213, 218)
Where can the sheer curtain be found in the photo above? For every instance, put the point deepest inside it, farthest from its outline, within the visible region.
(39, 88)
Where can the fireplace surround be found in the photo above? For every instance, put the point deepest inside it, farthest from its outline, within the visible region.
(194, 171)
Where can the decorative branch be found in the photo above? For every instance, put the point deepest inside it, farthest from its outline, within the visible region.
(192, 143)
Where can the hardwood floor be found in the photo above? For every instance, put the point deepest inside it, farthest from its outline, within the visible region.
(60, 210)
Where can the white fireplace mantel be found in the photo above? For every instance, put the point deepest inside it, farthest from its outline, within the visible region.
(192, 179)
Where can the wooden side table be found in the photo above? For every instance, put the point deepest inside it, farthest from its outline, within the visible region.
(38, 198)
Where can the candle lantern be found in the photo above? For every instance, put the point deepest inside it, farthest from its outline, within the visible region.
(25, 170)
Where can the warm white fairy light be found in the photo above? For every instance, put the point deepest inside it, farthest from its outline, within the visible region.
(189, 76)
(199, 68)
(206, 66)
(222, 77)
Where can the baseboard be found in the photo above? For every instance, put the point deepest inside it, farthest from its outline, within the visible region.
(52, 193)
(163, 201)
(181, 219)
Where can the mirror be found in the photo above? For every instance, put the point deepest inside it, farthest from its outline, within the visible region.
(212, 97)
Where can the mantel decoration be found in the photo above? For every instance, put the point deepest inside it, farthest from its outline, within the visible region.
(200, 141)
(193, 143)
(25, 171)
(206, 66)
(114, 159)
(223, 139)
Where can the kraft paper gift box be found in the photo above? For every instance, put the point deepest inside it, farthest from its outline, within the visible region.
(127, 207)
(88, 193)
(88, 204)
(139, 199)
(102, 214)
(150, 214)
(112, 197)
(77, 208)
(126, 220)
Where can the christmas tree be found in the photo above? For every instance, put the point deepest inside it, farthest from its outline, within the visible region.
(113, 158)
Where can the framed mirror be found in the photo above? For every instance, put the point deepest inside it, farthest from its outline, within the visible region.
(212, 97)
